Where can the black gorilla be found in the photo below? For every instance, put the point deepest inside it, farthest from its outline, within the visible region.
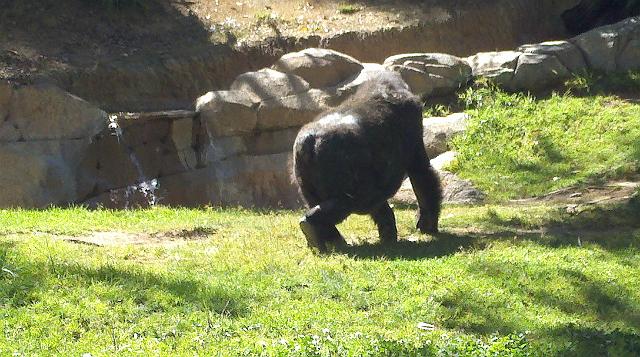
(352, 159)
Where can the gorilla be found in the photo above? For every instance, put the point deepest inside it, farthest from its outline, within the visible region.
(353, 158)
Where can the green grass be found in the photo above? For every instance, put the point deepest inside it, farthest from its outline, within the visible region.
(492, 284)
(520, 146)
(348, 9)
(498, 281)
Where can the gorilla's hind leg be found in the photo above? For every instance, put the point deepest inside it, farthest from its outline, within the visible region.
(385, 220)
(319, 224)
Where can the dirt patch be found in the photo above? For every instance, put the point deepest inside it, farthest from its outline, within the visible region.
(612, 192)
(115, 238)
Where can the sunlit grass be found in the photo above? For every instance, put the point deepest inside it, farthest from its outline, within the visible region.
(517, 146)
(499, 281)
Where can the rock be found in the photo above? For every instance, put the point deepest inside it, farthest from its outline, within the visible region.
(46, 173)
(454, 191)
(248, 181)
(431, 73)
(268, 83)
(142, 132)
(369, 71)
(271, 142)
(536, 72)
(442, 161)
(567, 53)
(458, 191)
(438, 132)
(222, 148)
(228, 113)
(613, 47)
(292, 111)
(182, 138)
(319, 67)
(497, 66)
(257, 181)
(8, 129)
(46, 112)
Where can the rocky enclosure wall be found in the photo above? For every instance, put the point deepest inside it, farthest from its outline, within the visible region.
(235, 147)
(172, 80)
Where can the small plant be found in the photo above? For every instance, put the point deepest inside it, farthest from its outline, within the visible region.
(438, 110)
(348, 9)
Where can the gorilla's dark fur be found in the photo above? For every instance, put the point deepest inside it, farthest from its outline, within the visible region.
(352, 159)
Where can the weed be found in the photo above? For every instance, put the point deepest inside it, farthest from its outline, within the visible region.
(348, 9)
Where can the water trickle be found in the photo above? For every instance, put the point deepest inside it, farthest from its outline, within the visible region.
(146, 188)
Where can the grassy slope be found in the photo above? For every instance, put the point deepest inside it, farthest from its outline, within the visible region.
(500, 281)
(253, 287)
(517, 146)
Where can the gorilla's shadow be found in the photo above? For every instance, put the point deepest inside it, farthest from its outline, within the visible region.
(612, 228)
(440, 245)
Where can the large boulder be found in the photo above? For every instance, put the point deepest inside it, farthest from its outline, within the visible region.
(271, 142)
(516, 70)
(613, 47)
(536, 72)
(248, 181)
(292, 111)
(46, 112)
(319, 67)
(45, 173)
(369, 71)
(228, 113)
(439, 131)
(431, 73)
(268, 83)
(454, 189)
(566, 52)
(497, 66)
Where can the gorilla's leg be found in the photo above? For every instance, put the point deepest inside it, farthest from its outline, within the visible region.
(385, 220)
(319, 223)
(426, 186)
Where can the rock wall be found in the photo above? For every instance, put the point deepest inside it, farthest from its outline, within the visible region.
(235, 147)
(171, 80)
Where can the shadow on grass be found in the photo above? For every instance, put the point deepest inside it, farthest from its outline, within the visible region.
(610, 227)
(154, 290)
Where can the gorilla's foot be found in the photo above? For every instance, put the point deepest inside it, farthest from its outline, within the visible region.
(388, 234)
(427, 226)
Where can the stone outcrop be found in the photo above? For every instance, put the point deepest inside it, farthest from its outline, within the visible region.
(613, 47)
(268, 83)
(235, 149)
(319, 67)
(45, 140)
(454, 189)
(431, 73)
(439, 131)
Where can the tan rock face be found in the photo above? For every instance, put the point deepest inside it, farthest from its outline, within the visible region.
(439, 131)
(44, 173)
(45, 112)
(228, 113)
(8, 129)
(319, 67)
(291, 111)
(431, 73)
(567, 53)
(454, 189)
(613, 47)
(495, 65)
(537, 71)
(268, 83)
